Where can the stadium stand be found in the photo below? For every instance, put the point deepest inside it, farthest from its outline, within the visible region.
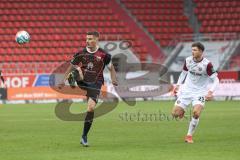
(57, 30)
(165, 20)
(220, 16)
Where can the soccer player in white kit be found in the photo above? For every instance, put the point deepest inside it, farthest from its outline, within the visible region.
(197, 73)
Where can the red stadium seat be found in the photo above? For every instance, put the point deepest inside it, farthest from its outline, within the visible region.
(146, 14)
(58, 29)
(224, 14)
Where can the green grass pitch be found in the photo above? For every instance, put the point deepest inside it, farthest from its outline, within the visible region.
(32, 131)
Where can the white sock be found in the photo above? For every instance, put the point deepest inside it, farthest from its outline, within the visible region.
(192, 126)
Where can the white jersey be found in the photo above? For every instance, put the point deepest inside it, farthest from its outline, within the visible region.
(198, 77)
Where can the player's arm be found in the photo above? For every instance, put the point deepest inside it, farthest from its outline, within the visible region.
(1, 76)
(181, 78)
(110, 66)
(112, 74)
(2, 79)
(62, 83)
(73, 64)
(215, 81)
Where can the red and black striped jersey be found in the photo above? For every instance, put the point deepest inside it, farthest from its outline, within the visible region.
(92, 64)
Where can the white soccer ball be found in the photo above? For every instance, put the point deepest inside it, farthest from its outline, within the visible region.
(22, 37)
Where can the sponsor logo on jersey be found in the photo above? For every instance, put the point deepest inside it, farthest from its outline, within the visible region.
(90, 66)
(196, 74)
(98, 58)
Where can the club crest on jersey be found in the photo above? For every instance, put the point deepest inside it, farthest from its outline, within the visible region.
(90, 66)
(199, 69)
(98, 58)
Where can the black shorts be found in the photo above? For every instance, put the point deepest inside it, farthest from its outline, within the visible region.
(93, 89)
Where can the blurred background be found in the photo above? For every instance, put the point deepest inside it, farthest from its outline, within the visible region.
(152, 31)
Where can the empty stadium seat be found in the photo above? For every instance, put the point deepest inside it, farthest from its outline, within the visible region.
(160, 17)
(57, 29)
(218, 16)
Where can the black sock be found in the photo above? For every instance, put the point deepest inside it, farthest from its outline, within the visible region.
(88, 123)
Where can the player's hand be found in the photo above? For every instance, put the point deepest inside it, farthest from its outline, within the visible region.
(209, 96)
(175, 90)
(114, 82)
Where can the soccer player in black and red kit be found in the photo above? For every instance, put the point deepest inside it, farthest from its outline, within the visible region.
(87, 70)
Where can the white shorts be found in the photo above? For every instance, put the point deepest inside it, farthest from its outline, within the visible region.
(184, 102)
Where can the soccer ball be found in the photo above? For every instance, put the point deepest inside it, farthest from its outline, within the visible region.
(22, 37)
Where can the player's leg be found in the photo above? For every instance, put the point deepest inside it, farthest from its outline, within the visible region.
(198, 104)
(88, 120)
(178, 112)
(89, 117)
(75, 76)
(180, 107)
(92, 94)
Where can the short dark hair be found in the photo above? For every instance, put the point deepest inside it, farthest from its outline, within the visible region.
(198, 45)
(94, 33)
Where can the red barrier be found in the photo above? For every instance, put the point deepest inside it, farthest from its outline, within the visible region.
(228, 75)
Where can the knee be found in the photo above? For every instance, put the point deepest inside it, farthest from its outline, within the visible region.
(174, 113)
(90, 109)
(177, 113)
(91, 105)
(196, 114)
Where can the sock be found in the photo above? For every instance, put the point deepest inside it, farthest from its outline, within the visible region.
(192, 126)
(88, 123)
